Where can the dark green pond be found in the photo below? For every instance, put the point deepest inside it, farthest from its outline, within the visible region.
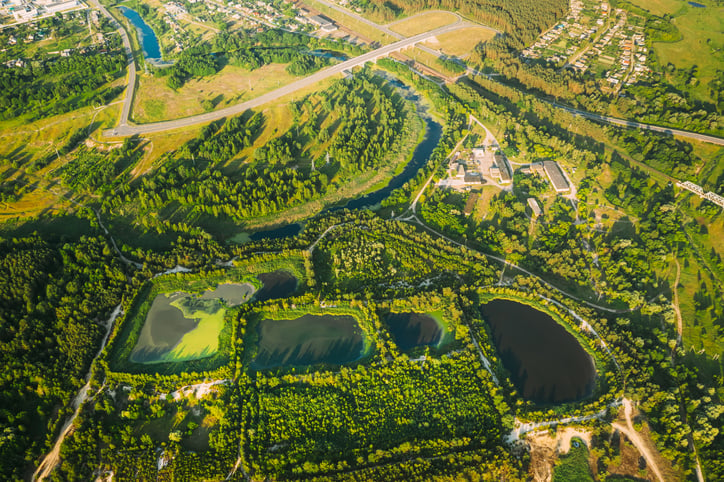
(546, 363)
(277, 284)
(308, 340)
(410, 330)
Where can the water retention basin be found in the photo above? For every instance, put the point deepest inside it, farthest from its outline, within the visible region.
(308, 340)
(546, 363)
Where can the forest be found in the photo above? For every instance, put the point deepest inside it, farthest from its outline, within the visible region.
(55, 86)
(55, 299)
(355, 126)
(391, 415)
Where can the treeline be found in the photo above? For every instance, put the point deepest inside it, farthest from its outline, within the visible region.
(521, 21)
(53, 301)
(193, 62)
(59, 86)
(231, 42)
(300, 63)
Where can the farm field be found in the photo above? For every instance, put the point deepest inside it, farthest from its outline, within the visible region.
(702, 31)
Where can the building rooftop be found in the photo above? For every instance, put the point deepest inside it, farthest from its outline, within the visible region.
(556, 176)
(534, 206)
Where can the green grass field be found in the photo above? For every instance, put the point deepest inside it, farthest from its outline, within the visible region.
(460, 42)
(154, 101)
(702, 31)
(423, 22)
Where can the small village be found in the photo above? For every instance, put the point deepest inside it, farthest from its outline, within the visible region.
(609, 44)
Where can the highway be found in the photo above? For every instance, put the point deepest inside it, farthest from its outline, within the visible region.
(125, 130)
(128, 101)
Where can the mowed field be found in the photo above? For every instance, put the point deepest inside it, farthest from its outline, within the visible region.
(460, 42)
(154, 101)
(660, 7)
(423, 22)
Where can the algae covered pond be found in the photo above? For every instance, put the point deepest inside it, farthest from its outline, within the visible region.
(411, 330)
(308, 340)
(546, 363)
(183, 326)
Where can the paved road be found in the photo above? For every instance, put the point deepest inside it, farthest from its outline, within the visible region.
(128, 101)
(124, 130)
(629, 123)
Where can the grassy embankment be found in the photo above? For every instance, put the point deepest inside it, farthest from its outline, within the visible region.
(460, 43)
(155, 101)
(423, 22)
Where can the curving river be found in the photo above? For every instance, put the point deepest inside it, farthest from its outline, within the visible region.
(423, 151)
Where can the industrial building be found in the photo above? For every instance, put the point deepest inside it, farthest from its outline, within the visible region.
(323, 23)
(502, 163)
(556, 176)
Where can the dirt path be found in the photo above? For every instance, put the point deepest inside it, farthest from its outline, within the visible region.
(679, 321)
(522, 428)
(321, 237)
(636, 439)
(51, 460)
(413, 206)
